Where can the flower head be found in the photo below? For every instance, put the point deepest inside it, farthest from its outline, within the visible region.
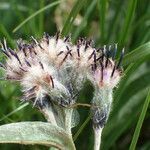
(34, 66)
(107, 72)
(105, 76)
(52, 71)
(54, 65)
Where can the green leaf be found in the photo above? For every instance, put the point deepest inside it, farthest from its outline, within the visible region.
(140, 122)
(36, 133)
(124, 81)
(75, 10)
(14, 111)
(124, 119)
(130, 69)
(82, 127)
(41, 18)
(36, 13)
(128, 103)
(138, 84)
(113, 24)
(84, 20)
(7, 35)
(129, 16)
(102, 15)
(142, 52)
(7, 6)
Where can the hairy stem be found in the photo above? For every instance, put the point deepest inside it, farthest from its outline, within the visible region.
(97, 138)
(49, 115)
(103, 102)
(68, 119)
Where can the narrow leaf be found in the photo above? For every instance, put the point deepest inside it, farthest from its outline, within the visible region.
(81, 128)
(36, 13)
(36, 133)
(7, 35)
(14, 111)
(140, 122)
(102, 15)
(84, 20)
(129, 16)
(75, 10)
(142, 52)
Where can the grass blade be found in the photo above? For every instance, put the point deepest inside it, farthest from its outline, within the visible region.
(84, 21)
(129, 16)
(141, 52)
(36, 13)
(140, 122)
(111, 35)
(131, 99)
(75, 10)
(121, 121)
(124, 81)
(16, 110)
(130, 69)
(41, 18)
(7, 35)
(102, 15)
(138, 85)
(81, 128)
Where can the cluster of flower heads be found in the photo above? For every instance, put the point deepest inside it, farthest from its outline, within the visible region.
(54, 66)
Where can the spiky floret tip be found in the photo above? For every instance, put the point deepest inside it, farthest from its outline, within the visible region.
(50, 65)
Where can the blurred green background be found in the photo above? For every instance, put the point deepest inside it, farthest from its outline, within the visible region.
(126, 22)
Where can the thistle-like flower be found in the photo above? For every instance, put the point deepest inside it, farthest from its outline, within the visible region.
(52, 71)
(105, 76)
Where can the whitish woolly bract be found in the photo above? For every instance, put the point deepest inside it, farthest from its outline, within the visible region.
(54, 66)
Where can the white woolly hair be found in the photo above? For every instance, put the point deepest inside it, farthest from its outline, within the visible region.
(50, 65)
(106, 76)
